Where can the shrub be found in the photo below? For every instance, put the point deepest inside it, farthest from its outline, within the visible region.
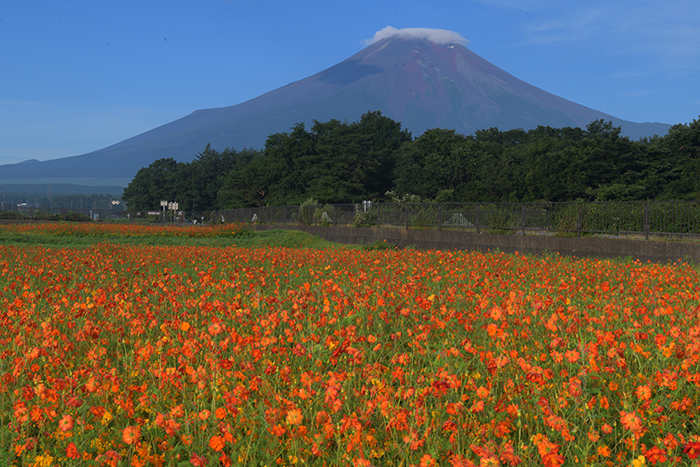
(307, 211)
(324, 215)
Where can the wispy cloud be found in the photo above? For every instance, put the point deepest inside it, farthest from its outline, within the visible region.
(642, 26)
(657, 33)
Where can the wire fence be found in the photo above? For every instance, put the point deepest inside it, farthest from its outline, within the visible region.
(644, 219)
(107, 215)
(656, 218)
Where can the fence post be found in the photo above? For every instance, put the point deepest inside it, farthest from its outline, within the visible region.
(522, 219)
(439, 216)
(378, 209)
(646, 221)
(579, 220)
(405, 217)
(478, 228)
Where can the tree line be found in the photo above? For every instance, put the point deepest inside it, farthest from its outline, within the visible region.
(341, 162)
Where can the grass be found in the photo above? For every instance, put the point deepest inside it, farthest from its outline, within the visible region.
(251, 239)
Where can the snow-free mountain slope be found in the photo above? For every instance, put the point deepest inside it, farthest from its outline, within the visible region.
(419, 82)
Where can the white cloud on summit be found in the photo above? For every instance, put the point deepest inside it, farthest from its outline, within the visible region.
(438, 36)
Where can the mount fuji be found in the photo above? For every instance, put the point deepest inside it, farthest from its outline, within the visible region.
(421, 78)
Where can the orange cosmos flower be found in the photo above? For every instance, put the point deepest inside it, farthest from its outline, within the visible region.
(575, 387)
(278, 430)
(460, 461)
(215, 329)
(217, 443)
(225, 460)
(66, 423)
(198, 461)
(177, 411)
(131, 434)
(643, 393)
(553, 459)
(572, 356)
(670, 442)
(631, 421)
(91, 385)
(501, 361)
(72, 451)
(492, 329)
(322, 417)
(489, 462)
(427, 461)
(294, 417)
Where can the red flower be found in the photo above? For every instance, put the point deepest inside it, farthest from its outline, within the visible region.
(553, 459)
(692, 449)
(198, 461)
(655, 455)
(72, 451)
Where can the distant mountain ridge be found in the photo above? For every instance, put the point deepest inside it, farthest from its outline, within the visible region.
(420, 83)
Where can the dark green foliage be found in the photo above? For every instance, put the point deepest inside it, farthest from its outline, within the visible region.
(334, 162)
(194, 186)
(567, 164)
(341, 162)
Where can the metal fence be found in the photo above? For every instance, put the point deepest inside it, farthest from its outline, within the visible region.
(107, 215)
(644, 219)
(657, 218)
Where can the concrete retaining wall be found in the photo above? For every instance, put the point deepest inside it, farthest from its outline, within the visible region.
(644, 250)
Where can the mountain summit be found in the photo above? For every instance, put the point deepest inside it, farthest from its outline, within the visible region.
(423, 78)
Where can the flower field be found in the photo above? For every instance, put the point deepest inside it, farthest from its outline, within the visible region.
(123, 230)
(148, 355)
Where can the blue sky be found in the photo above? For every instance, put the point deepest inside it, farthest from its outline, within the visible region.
(79, 75)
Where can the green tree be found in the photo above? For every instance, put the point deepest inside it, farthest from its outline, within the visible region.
(437, 160)
(153, 184)
(678, 154)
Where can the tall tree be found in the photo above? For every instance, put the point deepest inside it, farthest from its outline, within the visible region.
(154, 184)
